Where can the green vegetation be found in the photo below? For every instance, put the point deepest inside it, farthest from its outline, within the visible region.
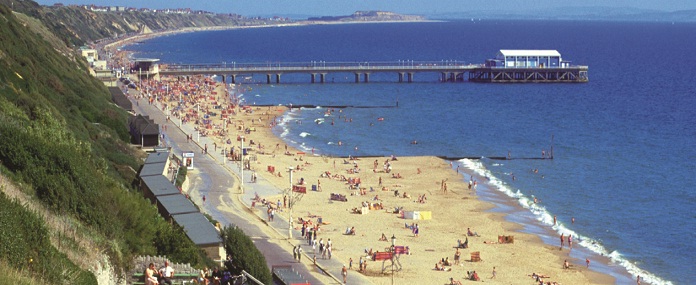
(77, 26)
(246, 256)
(181, 176)
(64, 142)
(13, 276)
(24, 243)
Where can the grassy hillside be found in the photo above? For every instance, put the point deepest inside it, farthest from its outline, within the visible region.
(77, 26)
(63, 142)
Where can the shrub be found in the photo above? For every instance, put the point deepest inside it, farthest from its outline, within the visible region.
(246, 256)
(181, 176)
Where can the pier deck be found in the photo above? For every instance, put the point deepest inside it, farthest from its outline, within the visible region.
(449, 71)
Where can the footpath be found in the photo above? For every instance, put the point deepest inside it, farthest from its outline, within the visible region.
(262, 187)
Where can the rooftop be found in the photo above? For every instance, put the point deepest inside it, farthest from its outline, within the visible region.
(146, 59)
(159, 185)
(152, 169)
(177, 204)
(157, 157)
(198, 228)
(530, 52)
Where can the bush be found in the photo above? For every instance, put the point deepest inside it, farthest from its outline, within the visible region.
(181, 176)
(246, 256)
(173, 242)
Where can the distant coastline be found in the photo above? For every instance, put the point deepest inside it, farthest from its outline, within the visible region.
(148, 35)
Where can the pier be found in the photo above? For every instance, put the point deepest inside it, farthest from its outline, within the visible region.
(403, 71)
(509, 66)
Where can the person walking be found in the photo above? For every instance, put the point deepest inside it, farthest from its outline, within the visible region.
(328, 248)
(344, 272)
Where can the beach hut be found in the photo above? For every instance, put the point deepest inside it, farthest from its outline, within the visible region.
(143, 131)
(202, 233)
(120, 99)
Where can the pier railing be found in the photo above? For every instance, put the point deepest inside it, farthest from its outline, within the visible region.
(450, 70)
(322, 66)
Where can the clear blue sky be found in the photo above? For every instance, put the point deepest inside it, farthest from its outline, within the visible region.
(346, 7)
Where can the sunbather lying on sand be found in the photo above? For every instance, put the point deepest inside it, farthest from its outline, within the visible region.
(539, 276)
(439, 267)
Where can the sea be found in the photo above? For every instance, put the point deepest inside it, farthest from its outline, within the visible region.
(623, 175)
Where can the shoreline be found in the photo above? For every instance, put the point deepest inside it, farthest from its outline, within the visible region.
(486, 223)
(482, 209)
(144, 36)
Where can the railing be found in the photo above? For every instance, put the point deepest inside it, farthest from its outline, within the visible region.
(320, 66)
(323, 65)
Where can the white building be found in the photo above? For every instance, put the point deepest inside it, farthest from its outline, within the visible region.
(509, 58)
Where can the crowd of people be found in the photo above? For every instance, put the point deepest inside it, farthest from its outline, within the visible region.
(165, 275)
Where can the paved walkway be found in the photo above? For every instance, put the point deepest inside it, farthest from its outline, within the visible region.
(213, 178)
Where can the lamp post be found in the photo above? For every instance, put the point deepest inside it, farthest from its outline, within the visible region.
(290, 169)
(393, 240)
(241, 162)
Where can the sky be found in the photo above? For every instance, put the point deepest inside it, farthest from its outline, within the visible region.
(347, 7)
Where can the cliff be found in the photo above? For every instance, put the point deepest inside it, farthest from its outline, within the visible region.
(77, 26)
(67, 205)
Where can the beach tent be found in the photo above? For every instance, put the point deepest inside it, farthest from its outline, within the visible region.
(426, 215)
(418, 215)
(412, 215)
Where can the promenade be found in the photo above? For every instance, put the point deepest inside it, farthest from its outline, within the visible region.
(218, 181)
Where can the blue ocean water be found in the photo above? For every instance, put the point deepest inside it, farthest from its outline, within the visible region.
(624, 143)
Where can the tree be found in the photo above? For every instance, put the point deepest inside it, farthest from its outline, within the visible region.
(245, 255)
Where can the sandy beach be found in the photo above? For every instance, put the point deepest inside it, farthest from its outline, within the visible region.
(451, 211)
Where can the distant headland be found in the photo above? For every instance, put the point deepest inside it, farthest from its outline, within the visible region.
(369, 16)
